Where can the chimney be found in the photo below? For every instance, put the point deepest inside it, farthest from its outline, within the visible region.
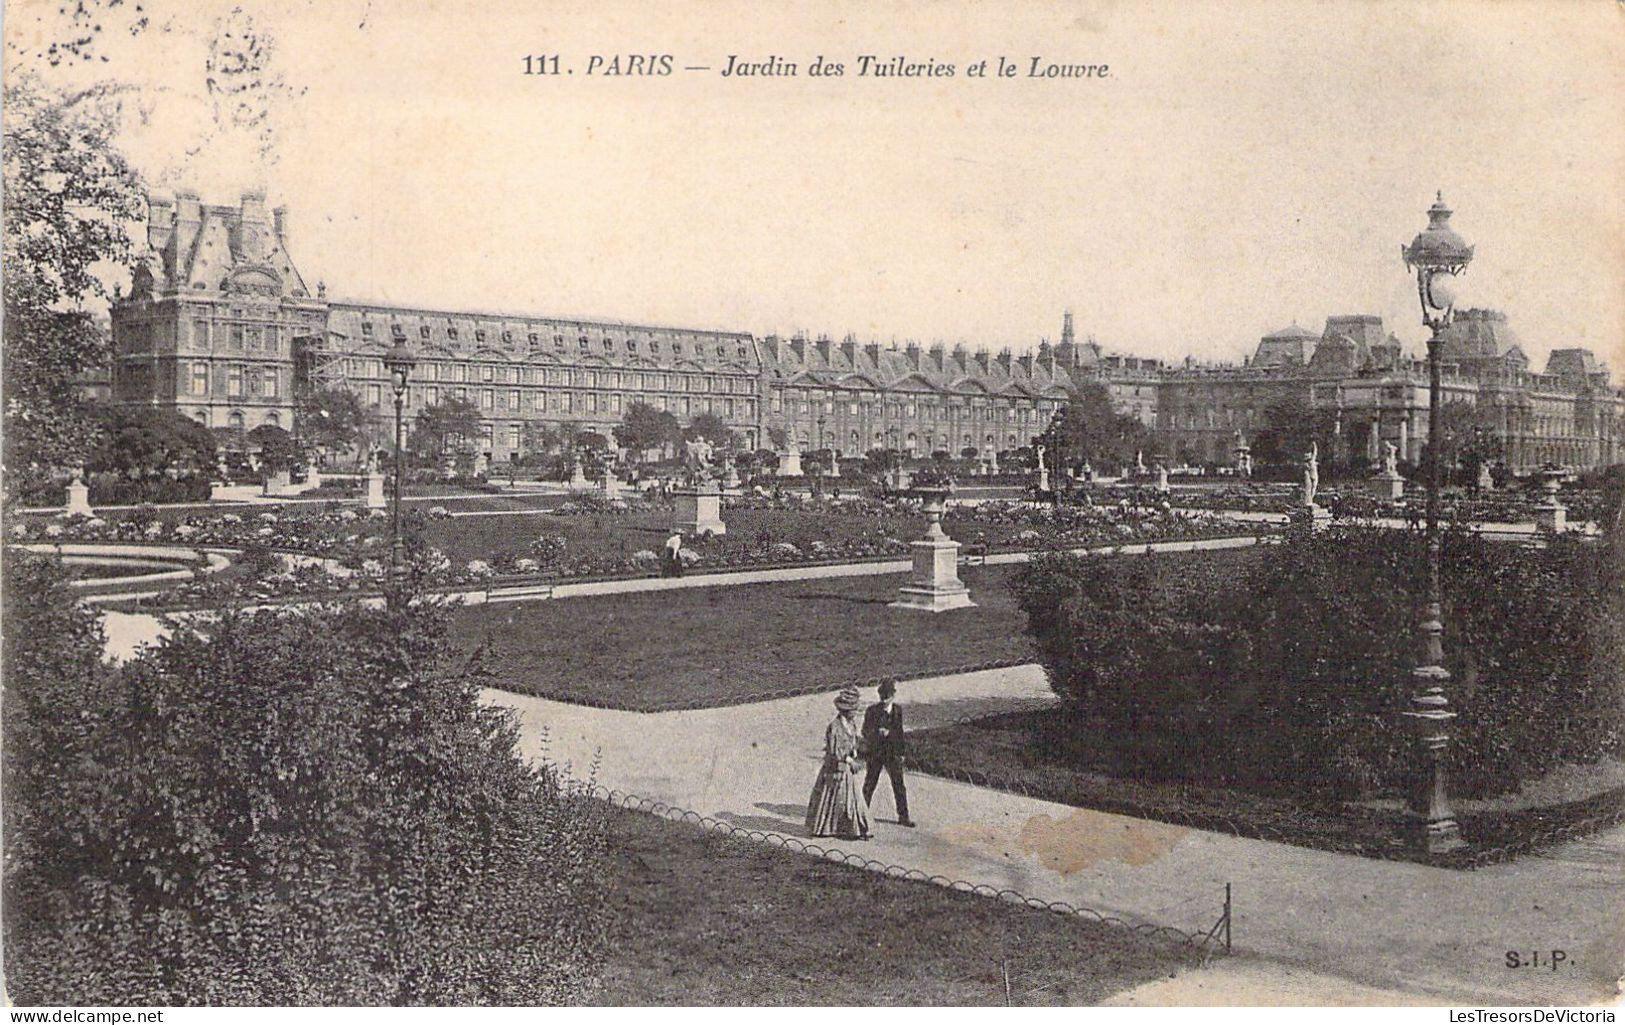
(982, 360)
(849, 349)
(279, 222)
(253, 207)
(960, 355)
(160, 220)
(872, 350)
(798, 345)
(1025, 361)
(823, 345)
(911, 352)
(936, 353)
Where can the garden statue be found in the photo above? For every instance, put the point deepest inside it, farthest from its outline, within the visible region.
(1311, 473)
(1139, 462)
(697, 460)
(1162, 478)
(1390, 459)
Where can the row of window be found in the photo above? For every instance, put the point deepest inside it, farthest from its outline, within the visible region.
(534, 338)
(515, 400)
(493, 373)
(923, 411)
(241, 381)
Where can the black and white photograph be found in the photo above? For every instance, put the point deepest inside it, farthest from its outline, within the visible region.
(927, 504)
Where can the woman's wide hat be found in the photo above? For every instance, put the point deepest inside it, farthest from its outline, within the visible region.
(848, 700)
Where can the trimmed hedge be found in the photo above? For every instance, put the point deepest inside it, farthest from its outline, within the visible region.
(1287, 667)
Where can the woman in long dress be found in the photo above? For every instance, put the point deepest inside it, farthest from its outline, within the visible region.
(836, 809)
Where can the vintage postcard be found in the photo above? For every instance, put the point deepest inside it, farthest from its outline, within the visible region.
(814, 503)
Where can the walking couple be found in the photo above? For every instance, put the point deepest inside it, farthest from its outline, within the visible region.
(834, 809)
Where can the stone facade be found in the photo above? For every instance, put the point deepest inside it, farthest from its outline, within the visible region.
(220, 325)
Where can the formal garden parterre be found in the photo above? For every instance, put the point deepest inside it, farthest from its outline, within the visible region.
(346, 551)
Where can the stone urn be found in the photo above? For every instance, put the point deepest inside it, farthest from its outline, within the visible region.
(934, 585)
(934, 503)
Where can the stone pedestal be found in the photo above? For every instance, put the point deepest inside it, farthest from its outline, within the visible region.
(612, 487)
(276, 483)
(1043, 477)
(78, 499)
(372, 493)
(1388, 487)
(313, 478)
(934, 586)
(790, 463)
(699, 511)
(578, 478)
(834, 466)
(1551, 517)
(1312, 518)
(731, 481)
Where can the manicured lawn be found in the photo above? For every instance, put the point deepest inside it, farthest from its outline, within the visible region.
(705, 919)
(1020, 751)
(725, 645)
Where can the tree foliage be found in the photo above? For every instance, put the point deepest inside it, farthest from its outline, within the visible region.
(445, 428)
(643, 427)
(1287, 668)
(331, 419)
(1097, 433)
(304, 808)
(69, 199)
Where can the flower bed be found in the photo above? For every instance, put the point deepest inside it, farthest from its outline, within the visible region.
(336, 551)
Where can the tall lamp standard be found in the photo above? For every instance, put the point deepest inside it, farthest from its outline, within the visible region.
(819, 479)
(1437, 255)
(399, 362)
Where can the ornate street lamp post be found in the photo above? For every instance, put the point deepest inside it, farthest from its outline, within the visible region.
(399, 362)
(1437, 255)
(1057, 428)
(818, 479)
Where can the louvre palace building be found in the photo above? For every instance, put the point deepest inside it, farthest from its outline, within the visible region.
(220, 325)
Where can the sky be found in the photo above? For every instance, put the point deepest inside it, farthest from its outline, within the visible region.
(1243, 166)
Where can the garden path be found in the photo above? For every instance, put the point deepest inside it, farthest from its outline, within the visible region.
(1312, 926)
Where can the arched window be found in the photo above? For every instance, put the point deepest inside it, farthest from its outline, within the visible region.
(273, 419)
(235, 420)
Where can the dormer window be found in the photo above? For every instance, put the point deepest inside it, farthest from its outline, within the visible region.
(479, 335)
(631, 345)
(366, 327)
(609, 346)
(423, 332)
(722, 350)
(397, 331)
(558, 341)
(676, 348)
(534, 338)
(654, 346)
(451, 333)
(582, 341)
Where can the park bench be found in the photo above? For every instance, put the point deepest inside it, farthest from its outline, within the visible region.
(973, 554)
(518, 592)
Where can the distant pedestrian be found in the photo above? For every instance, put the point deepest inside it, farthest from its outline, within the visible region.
(834, 808)
(671, 556)
(883, 748)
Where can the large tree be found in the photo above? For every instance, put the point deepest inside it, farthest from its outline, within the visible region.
(142, 442)
(643, 427)
(446, 428)
(331, 420)
(1097, 433)
(70, 196)
(712, 428)
(1290, 426)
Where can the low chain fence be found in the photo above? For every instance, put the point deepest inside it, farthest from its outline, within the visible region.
(800, 690)
(1204, 943)
(1580, 818)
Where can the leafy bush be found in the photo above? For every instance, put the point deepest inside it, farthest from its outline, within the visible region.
(1288, 667)
(296, 809)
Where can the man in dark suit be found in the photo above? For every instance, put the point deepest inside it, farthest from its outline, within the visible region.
(883, 747)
